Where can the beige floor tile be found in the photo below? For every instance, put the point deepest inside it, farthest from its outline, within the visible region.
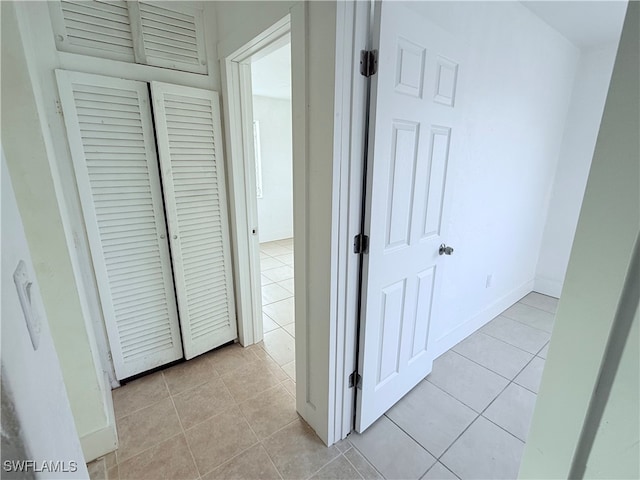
(297, 452)
(252, 464)
(97, 469)
(279, 274)
(250, 380)
(270, 411)
(189, 374)
(338, 469)
(343, 445)
(202, 402)
(231, 357)
(139, 394)
(169, 460)
(275, 369)
(146, 428)
(273, 293)
(113, 473)
(281, 312)
(280, 346)
(290, 385)
(110, 459)
(364, 468)
(219, 439)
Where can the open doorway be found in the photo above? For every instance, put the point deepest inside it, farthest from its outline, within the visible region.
(272, 142)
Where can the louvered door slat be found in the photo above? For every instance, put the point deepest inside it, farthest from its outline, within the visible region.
(197, 214)
(110, 133)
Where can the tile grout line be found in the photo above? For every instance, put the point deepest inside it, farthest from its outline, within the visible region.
(480, 415)
(184, 432)
(356, 468)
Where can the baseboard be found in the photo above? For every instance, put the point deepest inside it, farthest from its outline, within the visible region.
(546, 286)
(485, 316)
(104, 440)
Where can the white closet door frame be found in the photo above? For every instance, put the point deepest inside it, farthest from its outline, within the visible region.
(188, 289)
(65, 87)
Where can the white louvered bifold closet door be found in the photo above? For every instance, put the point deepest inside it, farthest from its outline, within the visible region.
(192, 164)
(111, 138)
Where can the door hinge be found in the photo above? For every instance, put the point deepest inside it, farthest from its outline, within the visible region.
(361, 243)
(368, 62)
(355, 380)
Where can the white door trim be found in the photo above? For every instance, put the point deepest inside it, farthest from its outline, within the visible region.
(238, 117)
(352, 35)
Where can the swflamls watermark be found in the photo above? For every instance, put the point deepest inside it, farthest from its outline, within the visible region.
(52, 466)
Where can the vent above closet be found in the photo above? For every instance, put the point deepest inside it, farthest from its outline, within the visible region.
(166, 35)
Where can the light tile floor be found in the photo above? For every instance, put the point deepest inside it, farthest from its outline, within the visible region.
(231, 414)
(470, 417)
(276, 264)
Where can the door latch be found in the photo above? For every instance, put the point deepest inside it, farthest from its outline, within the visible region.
(445, 250)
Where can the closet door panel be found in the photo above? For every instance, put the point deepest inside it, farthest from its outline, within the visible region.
(192, 164)
(111, 138)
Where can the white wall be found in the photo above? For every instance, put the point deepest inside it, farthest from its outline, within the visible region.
(31, 378)
(514, 88)
(275, 208)
(28, 153)
(595, 278)
(581, 129)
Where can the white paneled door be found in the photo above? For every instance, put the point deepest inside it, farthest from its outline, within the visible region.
(413, 139)
(112, 138)
(190, 147)
(110, 133)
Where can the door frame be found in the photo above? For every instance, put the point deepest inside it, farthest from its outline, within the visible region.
(352, 35)
(236, 74)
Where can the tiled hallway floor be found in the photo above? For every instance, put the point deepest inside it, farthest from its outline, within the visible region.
(230, 414)
(276, 265)
(470, 417)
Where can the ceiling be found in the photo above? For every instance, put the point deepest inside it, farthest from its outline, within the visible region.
(583, 23)
(271, 74)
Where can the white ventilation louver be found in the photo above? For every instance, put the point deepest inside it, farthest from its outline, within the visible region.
(97, 28)
(173, 38)
(158, 34)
